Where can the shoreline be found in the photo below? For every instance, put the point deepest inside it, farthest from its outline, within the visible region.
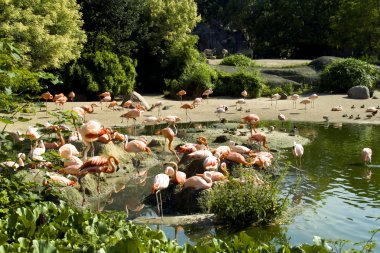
(263, 107)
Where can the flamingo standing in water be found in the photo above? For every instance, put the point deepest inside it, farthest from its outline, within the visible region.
(298, 151)
(161, 182)
(367, 155)
(90, 132)
(199, 182)
(178, 177)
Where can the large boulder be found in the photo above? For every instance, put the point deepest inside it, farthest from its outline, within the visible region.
(320, 63)
(136, 97)
(359, 92)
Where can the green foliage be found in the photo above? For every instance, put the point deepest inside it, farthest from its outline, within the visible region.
(15, 193)
(356, 27)
(48, 32)
(196, 78)
(233, 84)
(104, 70)
(124, 22)
(341, 75)
(245, 204)
(238, 60)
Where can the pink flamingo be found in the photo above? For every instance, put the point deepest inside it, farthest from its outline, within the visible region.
(132, 114)
(207, 93)
(367, 155)
(241, 149)
(112, 104)
(72, 163)
(221, 150)
(282, 118)
(275, 97)
(58, 179)
(181, 93)
(187, 107)
(244, 94)
(168, 133)
(178, 177)
(105, 100)
(72, 96)
(136, 146)
(90, 132)
(61, 101)
(313, 97)
(197, 102)
(199, 182)
(253, 120)
(260, 138)
(211, 163)
(158, 104)
(298, 151)
(46, 96)
(161, 182)
(99, 164)
(237, 158)
(294, 98)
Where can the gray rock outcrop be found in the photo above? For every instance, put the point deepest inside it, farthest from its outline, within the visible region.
(359, 92)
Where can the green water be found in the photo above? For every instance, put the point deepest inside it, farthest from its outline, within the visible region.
(336, 199)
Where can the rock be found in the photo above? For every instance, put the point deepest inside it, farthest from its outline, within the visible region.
(154, 143)
(221, 139)
(284, 96)
(319, 64)
(136, 97)
(359, 92)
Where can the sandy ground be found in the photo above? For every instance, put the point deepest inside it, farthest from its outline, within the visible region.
(264, 107)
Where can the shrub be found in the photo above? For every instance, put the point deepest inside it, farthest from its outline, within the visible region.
(196, 78)
(341, 75)
(233, 84)
(245, 204)
(238, 60)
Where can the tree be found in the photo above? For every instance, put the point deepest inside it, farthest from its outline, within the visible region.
(122, 21)
(170, 46)
(48, 32)
(103, 70)
(356, 27)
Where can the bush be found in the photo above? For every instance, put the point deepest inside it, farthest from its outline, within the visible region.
(196, 78)
(341, 75)
(245, 204)
(233, 84)
(238, 60)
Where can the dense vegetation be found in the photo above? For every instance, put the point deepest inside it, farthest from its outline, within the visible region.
(120, 45)
(341, 75)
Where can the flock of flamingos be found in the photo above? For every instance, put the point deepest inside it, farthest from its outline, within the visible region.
(214, 160)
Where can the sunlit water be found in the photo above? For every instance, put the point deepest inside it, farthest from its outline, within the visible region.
(336, 198)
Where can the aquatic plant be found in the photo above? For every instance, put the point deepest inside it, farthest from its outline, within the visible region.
(243, 201)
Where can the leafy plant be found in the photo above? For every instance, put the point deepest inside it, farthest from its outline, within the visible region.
(238, 60)
(341, 75)
(233, 84)
(245, 204)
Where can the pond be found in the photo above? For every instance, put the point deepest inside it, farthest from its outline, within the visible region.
(338, 196)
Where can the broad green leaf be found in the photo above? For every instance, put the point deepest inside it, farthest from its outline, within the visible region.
(42, 246)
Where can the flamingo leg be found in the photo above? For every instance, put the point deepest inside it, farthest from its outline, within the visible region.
(92, 149)
(162, 212)
(158, 204)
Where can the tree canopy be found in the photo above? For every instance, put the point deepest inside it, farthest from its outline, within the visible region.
(48, 32)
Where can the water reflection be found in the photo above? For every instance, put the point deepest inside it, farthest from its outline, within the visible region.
(338, 195)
